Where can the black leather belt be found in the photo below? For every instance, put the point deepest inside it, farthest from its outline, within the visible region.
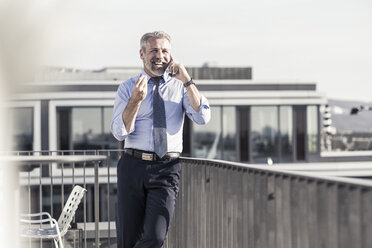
(150, 156)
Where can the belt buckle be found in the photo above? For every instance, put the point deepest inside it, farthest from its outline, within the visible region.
(147, 156)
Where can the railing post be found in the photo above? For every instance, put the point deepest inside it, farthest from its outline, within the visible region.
(96, 203)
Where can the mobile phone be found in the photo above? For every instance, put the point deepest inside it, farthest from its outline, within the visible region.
(171, 73)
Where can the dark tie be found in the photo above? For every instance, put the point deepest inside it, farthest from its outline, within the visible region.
(160, 125)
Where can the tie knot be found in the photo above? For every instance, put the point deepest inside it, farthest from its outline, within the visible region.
(157, 80)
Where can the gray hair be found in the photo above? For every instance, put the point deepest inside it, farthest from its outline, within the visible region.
(156, 35)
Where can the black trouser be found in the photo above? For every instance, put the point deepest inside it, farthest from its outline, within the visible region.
(147, 192)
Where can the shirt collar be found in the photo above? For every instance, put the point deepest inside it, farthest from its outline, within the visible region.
(165, 76)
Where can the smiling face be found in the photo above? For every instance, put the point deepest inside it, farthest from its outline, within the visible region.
(156, 56)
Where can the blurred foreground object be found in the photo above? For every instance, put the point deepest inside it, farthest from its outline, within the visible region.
(21, 23)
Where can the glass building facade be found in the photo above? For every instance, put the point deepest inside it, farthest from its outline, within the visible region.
(253, 134)
(258, 134)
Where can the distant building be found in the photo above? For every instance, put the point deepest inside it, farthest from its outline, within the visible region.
(252, 121)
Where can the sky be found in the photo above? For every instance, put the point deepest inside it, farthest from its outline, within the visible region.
(326, 42)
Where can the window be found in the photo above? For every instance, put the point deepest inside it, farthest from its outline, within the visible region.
(264, 133)
(312, 129)
(21, 126)
(286, 133)
(217, 139)
(206, 140)
(85, 128)
(300, 127)
(243, 115)
(229, 133)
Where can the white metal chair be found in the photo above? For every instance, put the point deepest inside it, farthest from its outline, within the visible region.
(57, 229)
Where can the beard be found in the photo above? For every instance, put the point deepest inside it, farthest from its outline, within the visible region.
(157, 70)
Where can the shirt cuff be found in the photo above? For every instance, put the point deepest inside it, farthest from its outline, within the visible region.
(204, 105)
(119, 129)
(204, 113)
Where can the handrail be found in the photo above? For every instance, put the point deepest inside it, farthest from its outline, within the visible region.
(283, 171)
(52, 158)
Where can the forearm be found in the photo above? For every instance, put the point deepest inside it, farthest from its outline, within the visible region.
(194, 97)
(130, 114)
(131, 110)
(192, 92)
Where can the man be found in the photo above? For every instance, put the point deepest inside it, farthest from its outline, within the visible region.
(148, 114)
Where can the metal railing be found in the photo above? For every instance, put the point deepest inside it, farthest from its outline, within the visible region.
(224, 204)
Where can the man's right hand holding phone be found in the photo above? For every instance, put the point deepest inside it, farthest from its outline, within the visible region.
(178, 70)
